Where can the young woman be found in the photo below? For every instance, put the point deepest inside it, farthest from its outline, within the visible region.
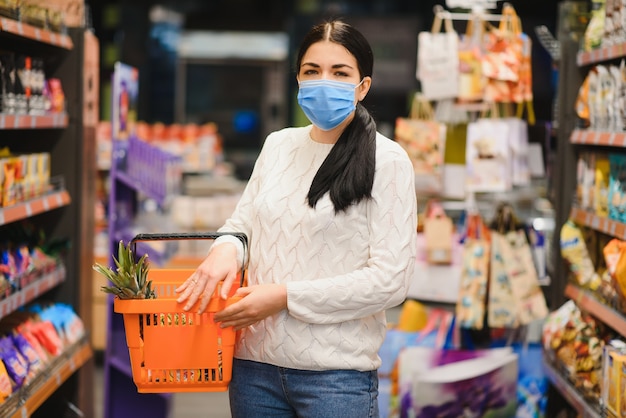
(330, 212)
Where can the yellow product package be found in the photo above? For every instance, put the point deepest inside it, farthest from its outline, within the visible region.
(601, 192)
(574, 250)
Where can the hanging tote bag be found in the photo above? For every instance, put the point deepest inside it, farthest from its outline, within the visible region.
(531, 304)
(515, 297)
(501, 311)
(470, 307)
(471, 79)
(438, 59)
(424, 140)
(488, 156)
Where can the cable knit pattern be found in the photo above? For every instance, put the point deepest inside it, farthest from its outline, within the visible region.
(341, 271)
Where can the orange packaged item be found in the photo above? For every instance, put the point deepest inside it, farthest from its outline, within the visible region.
(5, 383)
(614, 250)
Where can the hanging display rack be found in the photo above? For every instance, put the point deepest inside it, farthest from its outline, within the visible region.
(477, 12)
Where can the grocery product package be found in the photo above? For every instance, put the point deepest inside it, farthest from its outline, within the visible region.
(456, 382)
(574, 251)
(436, 334)
(617, 187)
(574, 342)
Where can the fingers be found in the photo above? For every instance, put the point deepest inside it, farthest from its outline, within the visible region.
(234, 316)
(227, 285)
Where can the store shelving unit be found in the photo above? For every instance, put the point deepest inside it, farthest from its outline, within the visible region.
(139, 171)
(599, 223)
(65, 214)
(601, 54)
(121, 396)
(571, 395)
(24, 30)
(54, 120)
(598, 138)
(572, 139)
(31, 397)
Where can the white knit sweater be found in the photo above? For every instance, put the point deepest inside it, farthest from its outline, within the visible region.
(341, 271)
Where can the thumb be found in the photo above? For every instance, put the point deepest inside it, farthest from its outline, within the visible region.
(243, 291)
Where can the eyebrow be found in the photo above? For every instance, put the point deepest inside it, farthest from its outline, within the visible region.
(312, 64)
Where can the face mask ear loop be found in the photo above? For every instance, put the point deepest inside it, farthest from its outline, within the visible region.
(357, 100)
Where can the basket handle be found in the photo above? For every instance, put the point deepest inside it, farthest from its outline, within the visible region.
(188, 236)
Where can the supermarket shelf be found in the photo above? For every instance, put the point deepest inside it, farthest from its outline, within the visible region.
(32, 291)
(573, 397)
(587, 302)
(49, 121)
(601, 54)
(25, 401)
(24, 210)
(138, 186)
(599, 138)
(37, 34)
(599, 223)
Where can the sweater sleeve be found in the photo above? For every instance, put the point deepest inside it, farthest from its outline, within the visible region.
(383, 282)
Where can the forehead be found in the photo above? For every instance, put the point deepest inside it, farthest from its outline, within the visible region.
(328, 53)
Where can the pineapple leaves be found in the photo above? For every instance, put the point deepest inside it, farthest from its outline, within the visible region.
(129, 279)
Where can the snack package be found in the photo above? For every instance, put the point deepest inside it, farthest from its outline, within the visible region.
(35, 365)
(6, 388)
(574, 250)
(16, 365)
(25, 329)
(601, 189)
(585, 179)
(617, 187)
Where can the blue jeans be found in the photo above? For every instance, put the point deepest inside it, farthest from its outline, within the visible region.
(262, 390)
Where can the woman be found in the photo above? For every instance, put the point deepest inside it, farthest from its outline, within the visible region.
(330, 212)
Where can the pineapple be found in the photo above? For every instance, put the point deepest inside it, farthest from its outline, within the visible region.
(129, 279)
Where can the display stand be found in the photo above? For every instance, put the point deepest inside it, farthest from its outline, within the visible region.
(136, 168)
(64, 213)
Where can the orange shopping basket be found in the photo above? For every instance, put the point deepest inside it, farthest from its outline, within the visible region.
(172, 350)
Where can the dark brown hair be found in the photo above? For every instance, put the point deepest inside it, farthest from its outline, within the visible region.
(347, 173)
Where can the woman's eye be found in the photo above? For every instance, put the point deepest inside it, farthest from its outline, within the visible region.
(310, 72)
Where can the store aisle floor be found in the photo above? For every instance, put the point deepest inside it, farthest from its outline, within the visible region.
(186, 405)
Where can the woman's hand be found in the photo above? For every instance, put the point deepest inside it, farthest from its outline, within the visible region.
(220, 265)
(257, 302)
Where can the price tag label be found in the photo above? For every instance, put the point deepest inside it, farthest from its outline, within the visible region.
(579, 297)
(612, 228)
(595, 222)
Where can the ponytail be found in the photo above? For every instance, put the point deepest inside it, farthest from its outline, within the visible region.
(347, 173)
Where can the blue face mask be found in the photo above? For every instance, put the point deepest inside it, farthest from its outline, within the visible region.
(326, 103)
